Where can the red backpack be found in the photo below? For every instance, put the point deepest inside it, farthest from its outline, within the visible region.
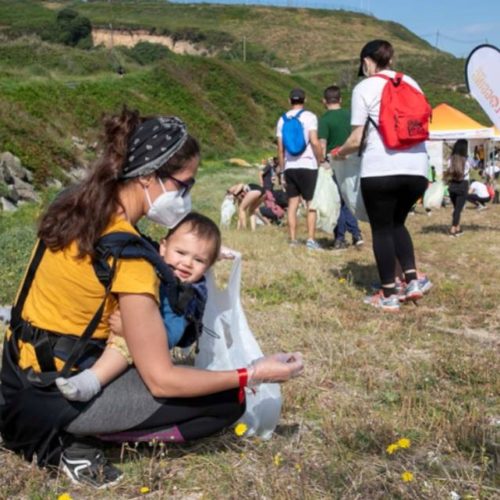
(404, 114)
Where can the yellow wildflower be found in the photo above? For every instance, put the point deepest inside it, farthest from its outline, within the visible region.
(392, 448)
(404, 443)
(407, 476)
(144, 490)
(342, 281)
(64, 496)
(241, 429)
(298, 468)
(278, 459)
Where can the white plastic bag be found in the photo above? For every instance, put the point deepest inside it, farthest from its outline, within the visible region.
(326, 201)
(347, 173)
(433, 197)
(227, 210)
(227, 343)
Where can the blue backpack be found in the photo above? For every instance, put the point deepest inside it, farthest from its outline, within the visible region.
(293, 134)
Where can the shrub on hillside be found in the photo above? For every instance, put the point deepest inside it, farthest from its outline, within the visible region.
(69, 28)
(148, 53)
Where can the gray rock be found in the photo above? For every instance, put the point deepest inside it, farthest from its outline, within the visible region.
(26, 191)
(13, 195)
(10, 167)
(5, 313)
(6, 205)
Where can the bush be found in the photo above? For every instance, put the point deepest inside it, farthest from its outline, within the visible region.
(148, 53)
(69, 28)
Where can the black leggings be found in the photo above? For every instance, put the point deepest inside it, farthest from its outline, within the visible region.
(458, 196)
(126, 411)
(388, 201)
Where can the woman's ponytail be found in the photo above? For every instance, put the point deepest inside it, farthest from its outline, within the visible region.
(82, 212)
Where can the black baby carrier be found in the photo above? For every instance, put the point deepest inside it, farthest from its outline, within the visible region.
(33, 411)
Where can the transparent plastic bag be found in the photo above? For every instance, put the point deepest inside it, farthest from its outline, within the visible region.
(227, 343)
(326, 201)
(433, 197)
(347, 173)
(227, 210)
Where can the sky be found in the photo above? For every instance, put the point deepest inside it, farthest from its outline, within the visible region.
(455, 26)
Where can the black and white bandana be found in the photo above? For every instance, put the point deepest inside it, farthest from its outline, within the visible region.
(152, 144)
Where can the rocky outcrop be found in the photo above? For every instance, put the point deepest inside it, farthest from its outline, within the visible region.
(16, 183)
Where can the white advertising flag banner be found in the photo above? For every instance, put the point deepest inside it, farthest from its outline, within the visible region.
(482, 72)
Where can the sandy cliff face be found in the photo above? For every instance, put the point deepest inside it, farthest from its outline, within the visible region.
(128, 38)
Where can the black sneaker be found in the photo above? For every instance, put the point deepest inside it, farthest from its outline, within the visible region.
(340, 245)
(86, 465)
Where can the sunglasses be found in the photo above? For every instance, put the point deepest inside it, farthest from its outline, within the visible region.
(184, 186)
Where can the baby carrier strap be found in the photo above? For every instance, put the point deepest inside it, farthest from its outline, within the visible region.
(42, 340)
(123, 245)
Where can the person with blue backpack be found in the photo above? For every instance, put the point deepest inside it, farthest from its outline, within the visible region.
(299, 154)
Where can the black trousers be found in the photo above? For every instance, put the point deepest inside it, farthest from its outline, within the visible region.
(458, 196)
(388, 201)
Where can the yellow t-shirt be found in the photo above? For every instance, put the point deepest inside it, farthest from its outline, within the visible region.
(65, 293)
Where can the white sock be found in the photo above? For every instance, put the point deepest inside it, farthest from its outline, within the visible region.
(81, 387)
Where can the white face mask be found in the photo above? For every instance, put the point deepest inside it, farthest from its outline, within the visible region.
(169, 208)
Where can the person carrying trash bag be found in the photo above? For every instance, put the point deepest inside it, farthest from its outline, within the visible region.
(390, 124)
(59, 323)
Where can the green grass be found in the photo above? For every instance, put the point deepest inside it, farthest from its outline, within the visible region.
(429, 374)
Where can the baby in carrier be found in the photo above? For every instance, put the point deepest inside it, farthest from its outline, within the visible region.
(189, 249)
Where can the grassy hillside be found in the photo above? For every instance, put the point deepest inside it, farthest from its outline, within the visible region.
(51, 92)
(298, 37)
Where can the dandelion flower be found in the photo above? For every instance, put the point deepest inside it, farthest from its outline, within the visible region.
(407, 476)
(392, 448)
(342, 281)
(278, 459)
(144, 490)
(404, 443)
(241, 429)
(64, 496)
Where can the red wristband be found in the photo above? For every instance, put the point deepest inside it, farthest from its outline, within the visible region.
(243, 379)
(335, 151)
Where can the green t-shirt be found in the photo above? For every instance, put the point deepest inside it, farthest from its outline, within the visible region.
(335, 127)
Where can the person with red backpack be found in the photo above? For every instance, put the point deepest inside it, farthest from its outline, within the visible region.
(389, 119)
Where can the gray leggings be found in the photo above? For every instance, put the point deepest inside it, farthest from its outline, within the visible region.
(127, 407)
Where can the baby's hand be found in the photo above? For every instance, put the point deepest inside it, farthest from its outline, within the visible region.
(115, 323)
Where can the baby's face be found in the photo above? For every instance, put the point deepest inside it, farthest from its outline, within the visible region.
(188, 254)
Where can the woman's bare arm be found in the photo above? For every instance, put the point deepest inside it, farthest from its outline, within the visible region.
(146, 338)
(351, 145)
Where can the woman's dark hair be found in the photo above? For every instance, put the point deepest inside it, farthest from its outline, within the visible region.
(205, 228)
(456, 170)
(380, 51)
(82, 212)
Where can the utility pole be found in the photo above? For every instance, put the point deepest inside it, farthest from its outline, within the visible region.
(437, 38)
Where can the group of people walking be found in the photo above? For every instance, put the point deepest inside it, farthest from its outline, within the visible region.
(392, 180)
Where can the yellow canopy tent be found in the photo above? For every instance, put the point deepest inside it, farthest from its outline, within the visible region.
(449, 123)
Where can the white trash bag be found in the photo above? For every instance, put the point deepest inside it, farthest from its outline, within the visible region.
(227, 343)
(227, 210)
(433, 197)
(347, 173)
(326, 201)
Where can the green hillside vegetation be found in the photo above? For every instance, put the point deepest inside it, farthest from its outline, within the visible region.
(52, 91)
